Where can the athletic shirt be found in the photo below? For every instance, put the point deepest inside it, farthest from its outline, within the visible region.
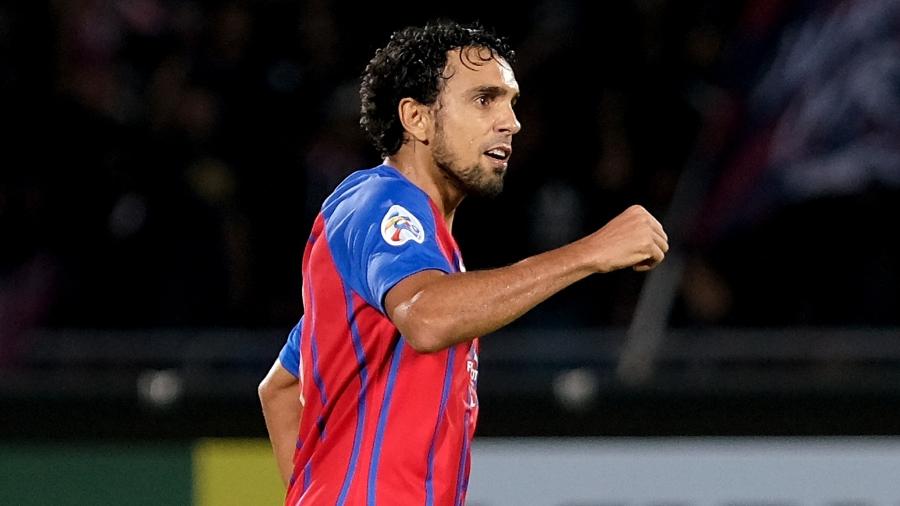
(382, 423)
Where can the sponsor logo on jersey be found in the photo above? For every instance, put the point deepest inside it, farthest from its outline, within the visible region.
(399, 226)
(472, 370)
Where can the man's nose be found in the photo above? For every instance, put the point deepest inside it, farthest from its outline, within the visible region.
(508, 122)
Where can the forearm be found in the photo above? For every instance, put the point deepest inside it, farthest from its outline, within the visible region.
(283, 435)
(454, 308)
(434, 310)
(279, 397)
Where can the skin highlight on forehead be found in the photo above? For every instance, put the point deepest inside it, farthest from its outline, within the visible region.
(507, 75)
(477, 59)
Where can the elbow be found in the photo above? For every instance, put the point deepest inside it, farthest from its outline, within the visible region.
(424, 329)
(427, 336)
(424, 342)
(264, 391)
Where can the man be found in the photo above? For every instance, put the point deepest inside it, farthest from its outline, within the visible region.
(388, 346)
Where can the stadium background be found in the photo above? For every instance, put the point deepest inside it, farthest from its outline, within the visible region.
(163, 161)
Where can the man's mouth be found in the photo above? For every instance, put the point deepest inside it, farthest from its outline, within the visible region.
(501, 153)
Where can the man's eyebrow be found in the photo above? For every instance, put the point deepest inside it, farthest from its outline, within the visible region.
(493, 91)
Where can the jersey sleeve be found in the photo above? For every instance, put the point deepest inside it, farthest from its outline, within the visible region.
(290, 352)
(390, 234)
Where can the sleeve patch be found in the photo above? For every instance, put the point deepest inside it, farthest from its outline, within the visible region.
(400, 226)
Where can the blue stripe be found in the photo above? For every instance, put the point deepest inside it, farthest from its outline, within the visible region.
(317, 376)
(382, 420)
(448, 375)
(461, 481)
(361, 405)
(307, 477)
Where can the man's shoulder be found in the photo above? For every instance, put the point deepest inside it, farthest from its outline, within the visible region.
(373, 189)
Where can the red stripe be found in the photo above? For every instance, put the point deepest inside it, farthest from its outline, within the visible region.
(329, 457)
(373, 328)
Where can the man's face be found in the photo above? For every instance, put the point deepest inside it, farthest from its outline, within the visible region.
(475, 121)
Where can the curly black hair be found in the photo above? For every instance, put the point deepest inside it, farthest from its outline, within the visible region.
(411, 65)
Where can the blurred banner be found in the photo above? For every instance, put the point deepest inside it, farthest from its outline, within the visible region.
(533, 472)
(209, 472)
(686, 472)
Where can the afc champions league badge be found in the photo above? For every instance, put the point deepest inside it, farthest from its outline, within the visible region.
(400, 226)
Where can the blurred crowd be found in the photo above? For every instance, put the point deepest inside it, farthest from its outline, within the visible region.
(804, 143)
(165, 158)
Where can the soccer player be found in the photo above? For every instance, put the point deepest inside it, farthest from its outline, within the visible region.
(387, 352)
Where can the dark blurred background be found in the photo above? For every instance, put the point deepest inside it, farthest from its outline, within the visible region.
(163, 161)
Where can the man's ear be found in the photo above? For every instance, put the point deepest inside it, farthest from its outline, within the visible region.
(416, 119)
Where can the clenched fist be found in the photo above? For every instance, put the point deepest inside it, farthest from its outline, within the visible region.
(632, 239)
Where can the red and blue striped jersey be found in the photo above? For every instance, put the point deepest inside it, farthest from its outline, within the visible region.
(382, 424)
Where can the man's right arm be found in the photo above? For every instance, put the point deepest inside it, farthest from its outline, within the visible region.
(279, 395)
(434, 310)
(282, 402)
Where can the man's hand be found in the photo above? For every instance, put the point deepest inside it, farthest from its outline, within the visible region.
(632, 239)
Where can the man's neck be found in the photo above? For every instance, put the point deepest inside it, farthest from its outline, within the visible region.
(424, 173)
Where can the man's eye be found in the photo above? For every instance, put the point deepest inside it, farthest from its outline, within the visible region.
(483, 100)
